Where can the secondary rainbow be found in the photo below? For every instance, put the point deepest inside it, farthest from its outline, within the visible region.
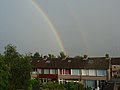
(50, 25)
(75, 14)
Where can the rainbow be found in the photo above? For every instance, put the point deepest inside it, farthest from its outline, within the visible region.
(76, 18)
(50, 25)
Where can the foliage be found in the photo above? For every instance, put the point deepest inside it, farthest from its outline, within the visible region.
(116, 76)
(107, 56)
(67, 86)
(11, 55)
(21, 72)
(19, 68)
(4, 74)
(88, 88)
(44, 85)
(53, 86)
(76, 86)
(50, 56)
(78, 57)
(36, 55)
(35, 84)
(62, 55)
(81, 87)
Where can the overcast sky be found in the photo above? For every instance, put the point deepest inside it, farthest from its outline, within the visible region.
(89, 27)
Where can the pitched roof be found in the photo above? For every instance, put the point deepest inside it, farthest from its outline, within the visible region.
(91, 63)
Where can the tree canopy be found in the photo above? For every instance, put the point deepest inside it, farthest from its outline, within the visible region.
(62, 55)
(36, 55)
(14, 70)
(4, 74)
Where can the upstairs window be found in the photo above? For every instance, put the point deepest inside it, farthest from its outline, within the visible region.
(101, 72)
(46, 71)
(92, 72)
(85, 72)
(65, 71)
(75, 72)
(39, 71)
(52, 71)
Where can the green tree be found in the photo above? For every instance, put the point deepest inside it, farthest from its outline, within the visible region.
(4, 74)
(19, 68)
(62, 55)
(50, 56)
(74, 86)
(11, 55)
(107, 56)
(36, 84)
(11, 58)
(78, 57)
(36, 55)
(21, 72)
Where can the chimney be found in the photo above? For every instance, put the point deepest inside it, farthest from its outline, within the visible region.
(45, 58)
(107, 56)
(85, 57)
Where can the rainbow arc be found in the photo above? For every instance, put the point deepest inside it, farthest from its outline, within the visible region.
(50, 25)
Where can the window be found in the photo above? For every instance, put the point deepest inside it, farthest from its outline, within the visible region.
(39, 71)
(101, 73)
(92, 72)
(90, 83)
(75, 72)
(52, 71)
(46, 71)
(67, 71)
(85, 72)
(34, 69)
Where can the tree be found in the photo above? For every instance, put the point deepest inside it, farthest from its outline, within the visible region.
(19, 68)
(11, 55)
(4, 74)
(36, 55)
(50, 56)
(62, 55)
(36, 84)
(107, 56)
(78, 57)
(22, 71)
(11, 58)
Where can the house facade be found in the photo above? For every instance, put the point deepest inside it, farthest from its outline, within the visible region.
(115, 73)
(115, 66)
(92, 72)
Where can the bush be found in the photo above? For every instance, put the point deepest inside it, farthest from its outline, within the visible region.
(35, 84)
(68, 86)
(115, 76)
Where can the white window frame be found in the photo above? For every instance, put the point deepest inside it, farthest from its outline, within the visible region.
(46, 71)
(52, 70)
(39, 71)
(85, 72)
(77, 70)
(101, 72)
(92, 72)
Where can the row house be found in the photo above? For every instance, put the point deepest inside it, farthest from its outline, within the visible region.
(115, 66)
(115, 73)
(92, 72)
